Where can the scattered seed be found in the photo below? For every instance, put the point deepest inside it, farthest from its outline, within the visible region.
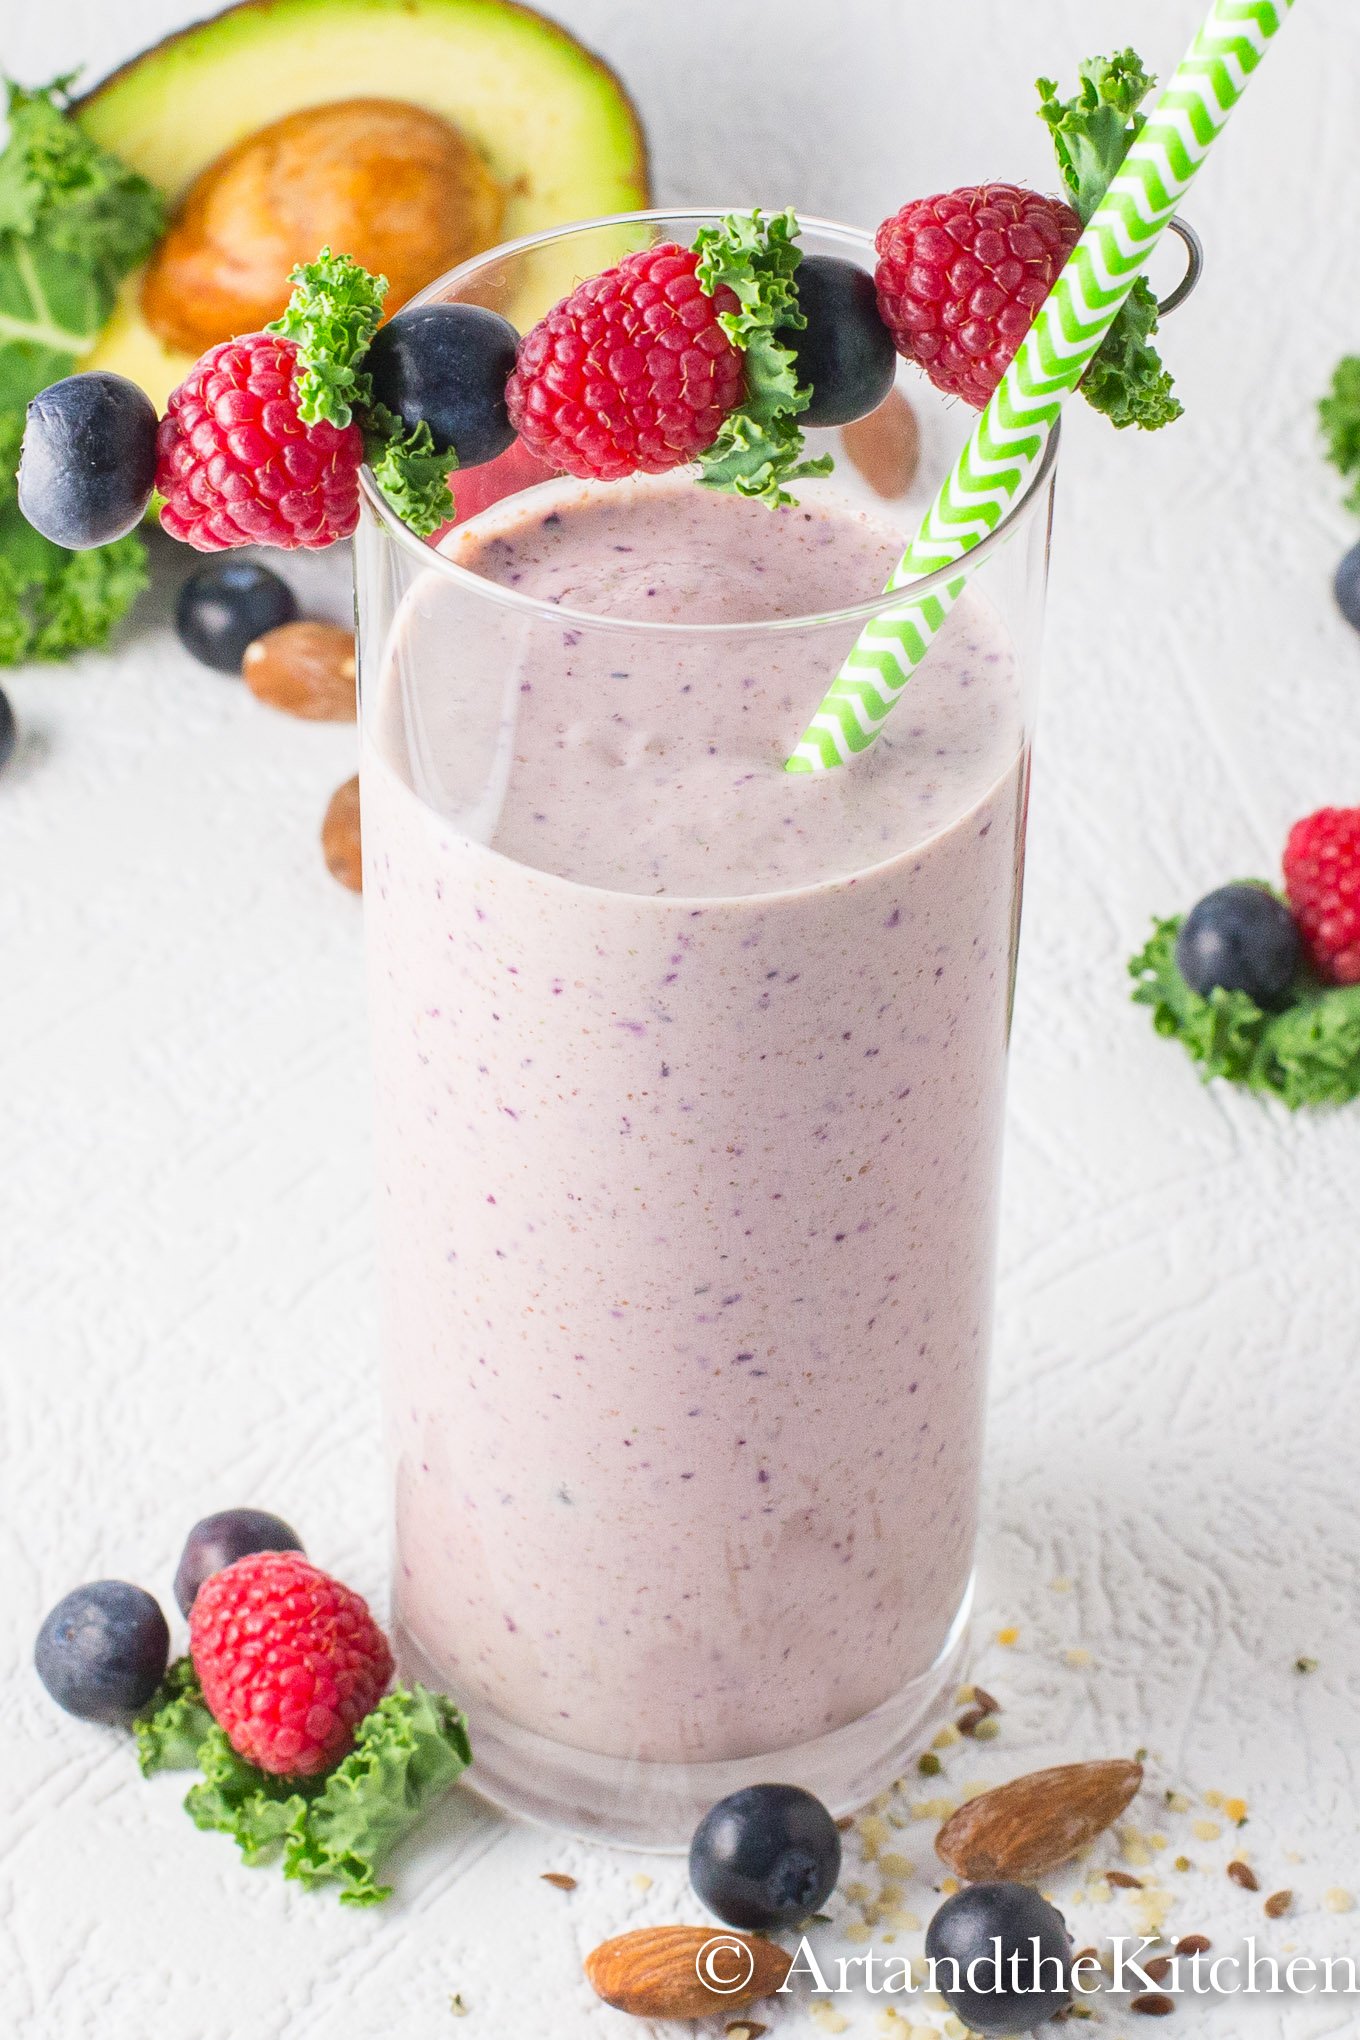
(987, 1730)
(1305, 1664)
(983, 1699)
(1123, 1880)
(1243, 1874)
(1338, 1900)
(845, 1823)
(1182, 1863)
(306, 669)
(1159, 1968)
(1087, 1954)
(642, 1882)
(340, 836)
(1206, 1830)
(1236, 1810)
(928, 1764)
(456, 2005)
(559, 1880)
(885, 446)
(744, 2029)
(966, 1723)
(1008, 1636)
(1278, 1904)
(1193, 1944)
(1153, 2004)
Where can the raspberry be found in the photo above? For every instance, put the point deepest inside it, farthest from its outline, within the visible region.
(290, 1661)
(1322, 879)
(236, 464)
(960, 277)
(631, 372)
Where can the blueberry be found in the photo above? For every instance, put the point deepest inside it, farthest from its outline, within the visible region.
(1243, 939)
(223, 607)
(89, 459)
(766, 1856)
(845, 351)
(1347, 585)
(221, 1539)
(8, 731)
(448, 366)
(966, 1930)
(102, 1651)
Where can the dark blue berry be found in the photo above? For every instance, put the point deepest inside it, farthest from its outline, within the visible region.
(766, 1856)
(1347, 585)
(966, 1930)
(845, 351)
(221, 1539)
(89, 459)
(447, 365)
(9, 733)
(223, 607)
(1243, 939)
(102, 1651)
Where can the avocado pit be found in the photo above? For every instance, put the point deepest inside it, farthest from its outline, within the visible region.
(396, 186)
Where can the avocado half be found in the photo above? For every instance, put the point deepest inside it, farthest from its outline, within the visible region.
(552, 121)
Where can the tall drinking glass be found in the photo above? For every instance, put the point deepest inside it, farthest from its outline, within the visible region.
(690, 1084)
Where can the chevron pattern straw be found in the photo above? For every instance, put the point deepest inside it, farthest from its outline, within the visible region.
(1007, 445)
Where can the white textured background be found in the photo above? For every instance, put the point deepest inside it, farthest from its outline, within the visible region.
(186, 1315)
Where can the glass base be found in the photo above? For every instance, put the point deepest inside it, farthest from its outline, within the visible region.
(658, 1806)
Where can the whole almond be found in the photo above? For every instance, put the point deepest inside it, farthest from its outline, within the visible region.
(658, 1972)
(340, 842)
(885, 446)
(305, 669)
(1028, 1826)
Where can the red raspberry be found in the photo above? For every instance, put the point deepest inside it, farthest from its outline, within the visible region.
(960, 277)
(1322, 879)
(632, 371)
(290, 1661)
(236, 464)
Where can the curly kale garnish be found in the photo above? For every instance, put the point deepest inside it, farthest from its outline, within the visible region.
(1309, 1054)
(1092, 133)
(73, 221)
(759, 446)
(332, 315)
(1339, 412)
(334, 1829)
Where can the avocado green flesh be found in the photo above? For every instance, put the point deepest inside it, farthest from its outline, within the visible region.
(551, 120)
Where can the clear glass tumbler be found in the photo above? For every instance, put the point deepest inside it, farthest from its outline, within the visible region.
(687, 1190)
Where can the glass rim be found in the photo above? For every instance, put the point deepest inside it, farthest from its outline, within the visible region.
(859, 613)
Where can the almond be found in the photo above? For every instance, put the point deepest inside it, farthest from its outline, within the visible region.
(340, 844)
(658, 1972)
(305, 669)
(1026, 1827)
(885, 446)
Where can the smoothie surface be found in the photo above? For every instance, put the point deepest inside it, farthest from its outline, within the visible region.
(650, 760)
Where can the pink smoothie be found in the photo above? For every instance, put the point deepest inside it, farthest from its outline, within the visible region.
(690, 1085)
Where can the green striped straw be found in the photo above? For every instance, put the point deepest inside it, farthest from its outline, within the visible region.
(1007, 444)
